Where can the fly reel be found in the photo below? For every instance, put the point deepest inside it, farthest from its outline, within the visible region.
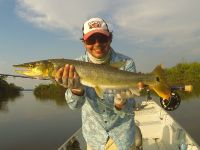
(171, 104)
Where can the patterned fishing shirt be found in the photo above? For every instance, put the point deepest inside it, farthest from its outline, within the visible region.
(100, 119)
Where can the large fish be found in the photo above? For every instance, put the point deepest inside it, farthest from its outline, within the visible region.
(100, 77)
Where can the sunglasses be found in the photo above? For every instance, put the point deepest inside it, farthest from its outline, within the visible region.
(97, 37)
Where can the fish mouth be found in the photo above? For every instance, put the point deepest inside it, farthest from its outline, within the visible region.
(24, 71)
(22, 66)
(27, 71)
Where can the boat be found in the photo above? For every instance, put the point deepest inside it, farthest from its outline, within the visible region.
(157, 131)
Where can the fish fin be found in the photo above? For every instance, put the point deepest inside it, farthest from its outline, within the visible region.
(163, 90)
(99, 91)
(159, 72)
(160, 86)
(118, 64)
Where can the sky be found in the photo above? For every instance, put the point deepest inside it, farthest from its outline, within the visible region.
(151, 32)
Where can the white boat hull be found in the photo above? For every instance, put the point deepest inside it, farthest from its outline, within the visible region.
(159, 131)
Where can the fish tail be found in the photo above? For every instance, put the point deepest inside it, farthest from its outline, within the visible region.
(160, 86)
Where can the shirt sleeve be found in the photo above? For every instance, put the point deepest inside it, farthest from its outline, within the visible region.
(74, 101)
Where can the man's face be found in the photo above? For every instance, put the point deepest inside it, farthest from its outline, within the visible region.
(98, 45)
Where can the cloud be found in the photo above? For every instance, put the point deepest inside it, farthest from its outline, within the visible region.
(65, 15)
(165, 31)
(164, 26)
(163, 21)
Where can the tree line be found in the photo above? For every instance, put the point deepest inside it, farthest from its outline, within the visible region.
(8, 89)
(51, 91)
(185, 74)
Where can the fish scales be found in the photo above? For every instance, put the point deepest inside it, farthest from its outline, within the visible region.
(106, 75)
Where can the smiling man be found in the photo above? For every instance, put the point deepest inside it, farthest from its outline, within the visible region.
(97, 39)
(106, 123)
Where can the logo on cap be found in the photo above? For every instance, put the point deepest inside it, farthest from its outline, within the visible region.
(94, 24)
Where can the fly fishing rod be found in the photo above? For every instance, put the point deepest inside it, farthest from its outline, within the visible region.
(19, 76)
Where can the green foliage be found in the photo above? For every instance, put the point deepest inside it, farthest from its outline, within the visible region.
(7, 92)
(185, 74)
(7, 89)
(53, 92)
(2, 77)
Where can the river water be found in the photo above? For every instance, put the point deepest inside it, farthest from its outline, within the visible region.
(29, 123)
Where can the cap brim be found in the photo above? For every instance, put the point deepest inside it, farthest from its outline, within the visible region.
(104, 32)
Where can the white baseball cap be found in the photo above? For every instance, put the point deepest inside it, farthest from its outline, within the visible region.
(95, 25)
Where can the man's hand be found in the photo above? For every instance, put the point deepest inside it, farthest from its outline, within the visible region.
(141, 85)
(69, 78)
(120, 100)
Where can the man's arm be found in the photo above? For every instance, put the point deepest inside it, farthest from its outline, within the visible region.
(74, 101)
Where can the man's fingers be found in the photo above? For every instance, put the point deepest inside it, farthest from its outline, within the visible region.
(65, 76)
(66, 71)
(141, 85)
(75, 74)
(59, 74)
(70, 83)
(77, 83)
(71, 77)
(71, 71)
(68, 77)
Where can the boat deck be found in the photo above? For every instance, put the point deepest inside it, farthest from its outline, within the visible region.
(159, 131)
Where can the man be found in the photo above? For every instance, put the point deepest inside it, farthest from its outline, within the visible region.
(107, 123)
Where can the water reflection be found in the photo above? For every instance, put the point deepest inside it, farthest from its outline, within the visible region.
(8, 92)
(4, 99)
(44, 126)
(60, 101)
(41, 125)
(50, 92)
